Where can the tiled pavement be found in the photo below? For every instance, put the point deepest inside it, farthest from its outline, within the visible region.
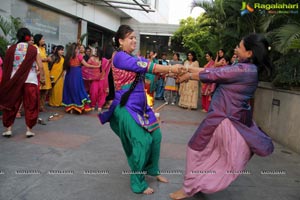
(76, 158)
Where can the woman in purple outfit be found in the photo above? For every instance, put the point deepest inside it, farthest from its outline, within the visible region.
(228, 137)
(130, 116)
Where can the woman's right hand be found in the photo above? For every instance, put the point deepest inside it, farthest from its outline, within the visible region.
(42, 81)
(183, 77)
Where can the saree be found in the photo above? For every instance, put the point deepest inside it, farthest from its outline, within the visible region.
(47, 84)
(56, 94)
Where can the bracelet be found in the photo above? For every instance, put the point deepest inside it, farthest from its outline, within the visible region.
(190, 76)
(170, 69)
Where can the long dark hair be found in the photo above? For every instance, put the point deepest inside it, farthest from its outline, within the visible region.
(37, 38)
(57, 57)
(259, 45)
(23, 35)
(177, 54)
(99, 52)
(210, 54)
(220, 57)
(193, 54)
(71, 53)
(122, 32)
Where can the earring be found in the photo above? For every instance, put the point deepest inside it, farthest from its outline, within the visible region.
(120, 47)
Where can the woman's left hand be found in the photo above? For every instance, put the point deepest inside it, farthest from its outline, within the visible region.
(178, 69)
(183, 77)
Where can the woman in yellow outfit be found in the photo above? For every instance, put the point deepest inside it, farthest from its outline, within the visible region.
(57, 72)
(39, 41)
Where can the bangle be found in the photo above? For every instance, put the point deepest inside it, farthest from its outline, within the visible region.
(190, 76)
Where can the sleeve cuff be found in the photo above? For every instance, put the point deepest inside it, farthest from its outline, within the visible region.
(151, 67)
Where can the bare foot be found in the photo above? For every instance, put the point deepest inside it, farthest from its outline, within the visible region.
(162, 179)
(179, 194)
(148, 191)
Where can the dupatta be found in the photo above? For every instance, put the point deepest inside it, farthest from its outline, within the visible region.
(11, 87)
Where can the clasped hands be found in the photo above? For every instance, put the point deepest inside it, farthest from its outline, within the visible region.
(179, 72)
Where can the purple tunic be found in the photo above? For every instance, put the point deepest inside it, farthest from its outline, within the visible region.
(236, 85)
(136, 105)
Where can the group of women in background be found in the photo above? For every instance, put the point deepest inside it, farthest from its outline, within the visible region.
(224, 141)
(66, 77)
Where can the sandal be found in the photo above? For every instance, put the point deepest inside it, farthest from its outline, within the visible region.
(41, 121)
(53, 117)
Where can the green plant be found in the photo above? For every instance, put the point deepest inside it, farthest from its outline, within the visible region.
(222, 26)
(9, 28)
(287, 71)
(3, 45)
(287, 37)
(82, 37)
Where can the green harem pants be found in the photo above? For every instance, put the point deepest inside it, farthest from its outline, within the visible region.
(141, 147)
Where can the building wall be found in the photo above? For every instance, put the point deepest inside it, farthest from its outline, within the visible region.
(95, 14)
(277, 112)
(149, 29)
(161, 14)
(55, 27)
(58, 20)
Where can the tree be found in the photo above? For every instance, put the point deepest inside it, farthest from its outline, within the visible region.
(223, 25)
(9, 28)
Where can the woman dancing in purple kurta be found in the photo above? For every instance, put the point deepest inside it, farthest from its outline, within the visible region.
(227, 138)
(130, 116)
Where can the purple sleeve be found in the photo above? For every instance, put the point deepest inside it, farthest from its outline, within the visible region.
(127, 62)
(144, 59)
(227, 74)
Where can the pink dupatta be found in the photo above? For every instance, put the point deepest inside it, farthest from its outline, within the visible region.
(89, 73)
(105, 71)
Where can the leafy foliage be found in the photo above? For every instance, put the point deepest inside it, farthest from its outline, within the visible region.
(287, 71)
(3, 45)
(222, 26)
(287, 37)
(9, 28)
